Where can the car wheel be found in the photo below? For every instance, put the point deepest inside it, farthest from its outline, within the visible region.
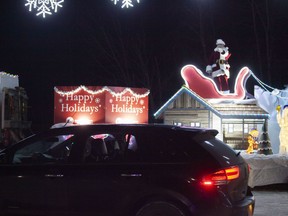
(160, 208)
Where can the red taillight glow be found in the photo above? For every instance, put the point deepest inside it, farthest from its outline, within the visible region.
(221, 177)
(232, 173)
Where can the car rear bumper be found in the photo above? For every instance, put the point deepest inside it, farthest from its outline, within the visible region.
(244, 207)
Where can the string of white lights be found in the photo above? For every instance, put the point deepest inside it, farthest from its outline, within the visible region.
(105, 88)
(273, 91)
(44, 7)
(2, 73)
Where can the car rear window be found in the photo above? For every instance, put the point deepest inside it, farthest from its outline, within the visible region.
(225, 154)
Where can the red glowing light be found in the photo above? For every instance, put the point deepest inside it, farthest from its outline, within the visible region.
(221, 177)
(206, 87)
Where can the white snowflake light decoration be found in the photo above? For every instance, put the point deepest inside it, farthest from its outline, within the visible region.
(44, 7)
(126, 3)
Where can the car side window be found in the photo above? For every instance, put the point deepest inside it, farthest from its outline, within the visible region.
(101, 148)
(158, 146)
(131, 141)
(47, 150)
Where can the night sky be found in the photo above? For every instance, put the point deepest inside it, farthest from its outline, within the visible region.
(94, 43)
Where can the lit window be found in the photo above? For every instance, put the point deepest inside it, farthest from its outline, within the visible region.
(246, 128)
(252, 127)
(195, 124)
(230, 128)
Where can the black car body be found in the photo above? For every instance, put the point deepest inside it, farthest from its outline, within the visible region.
(124, 170)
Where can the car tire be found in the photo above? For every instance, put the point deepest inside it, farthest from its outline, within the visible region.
(160, 208)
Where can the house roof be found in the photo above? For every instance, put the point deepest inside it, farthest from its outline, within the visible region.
(244, 109)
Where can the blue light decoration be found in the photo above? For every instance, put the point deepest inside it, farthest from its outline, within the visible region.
(44, 7)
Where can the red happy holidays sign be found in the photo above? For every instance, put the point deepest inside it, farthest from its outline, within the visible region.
(98, 104)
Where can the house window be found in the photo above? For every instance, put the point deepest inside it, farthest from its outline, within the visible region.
(249, 127)
(230, 128)
(246, 128)
(195, 124)
(178, 123)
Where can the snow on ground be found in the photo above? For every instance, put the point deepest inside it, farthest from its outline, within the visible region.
(266, 169)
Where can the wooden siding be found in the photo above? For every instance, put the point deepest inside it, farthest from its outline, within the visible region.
(185, 110)
(236, 109)
(186, 117)
(185, 101)
(236, 140)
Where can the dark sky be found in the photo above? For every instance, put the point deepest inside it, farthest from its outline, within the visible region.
(93, 42)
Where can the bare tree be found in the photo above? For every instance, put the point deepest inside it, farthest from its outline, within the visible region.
(125, 57)
(198, 21)
(260, 12)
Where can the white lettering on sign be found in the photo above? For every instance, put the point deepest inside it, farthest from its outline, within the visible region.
(79, 108)
(126, 109)
(132, 100)
(80, 98)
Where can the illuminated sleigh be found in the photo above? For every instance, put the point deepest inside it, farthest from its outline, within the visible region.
(206, 87)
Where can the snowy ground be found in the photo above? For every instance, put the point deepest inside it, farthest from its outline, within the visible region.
(266, 169)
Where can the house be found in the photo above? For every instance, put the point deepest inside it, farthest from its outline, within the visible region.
(234, 119)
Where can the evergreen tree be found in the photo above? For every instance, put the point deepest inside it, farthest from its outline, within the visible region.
(264, 146)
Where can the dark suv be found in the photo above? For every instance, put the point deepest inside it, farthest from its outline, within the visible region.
(142, 170)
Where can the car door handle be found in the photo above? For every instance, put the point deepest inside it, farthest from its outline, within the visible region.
(131, 175)
(54, 175)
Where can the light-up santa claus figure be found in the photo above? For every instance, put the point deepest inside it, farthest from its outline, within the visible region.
(282, 120)
(219, 67)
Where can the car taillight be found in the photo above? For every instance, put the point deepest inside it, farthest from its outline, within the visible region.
(221, 177)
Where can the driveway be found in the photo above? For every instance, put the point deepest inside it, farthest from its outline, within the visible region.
(271, 201)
